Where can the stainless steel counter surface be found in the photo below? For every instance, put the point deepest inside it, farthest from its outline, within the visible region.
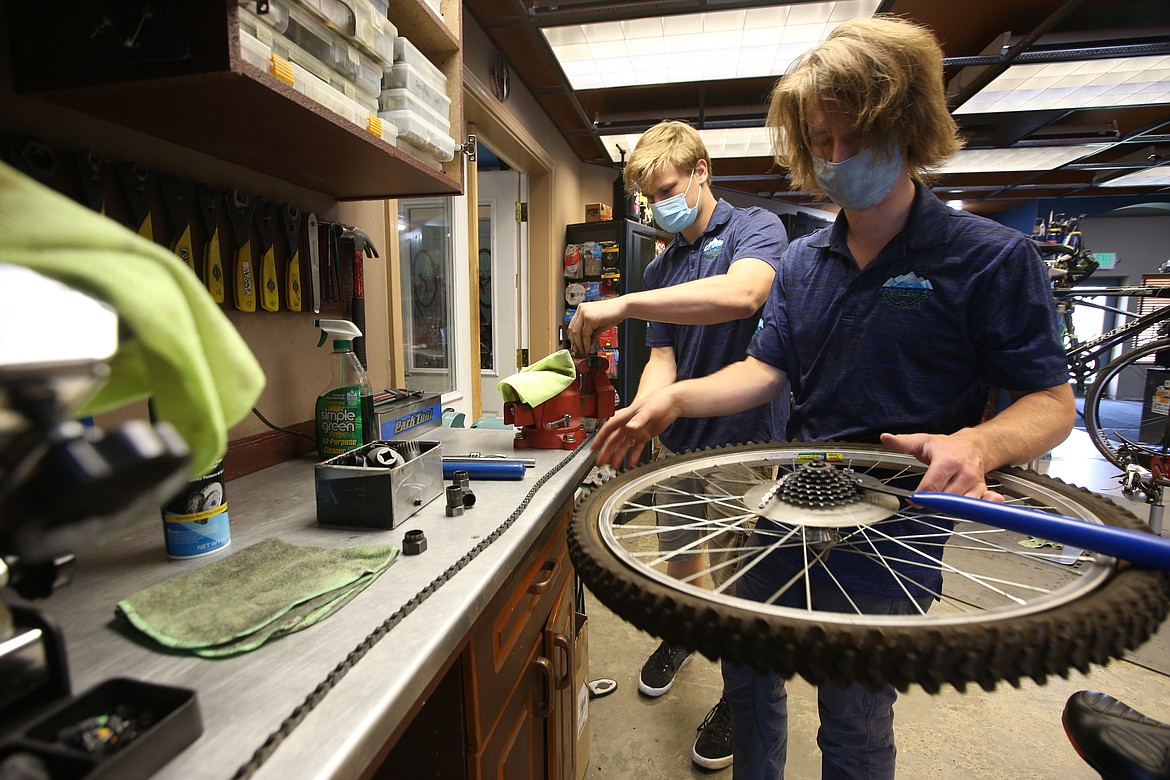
(245, 698)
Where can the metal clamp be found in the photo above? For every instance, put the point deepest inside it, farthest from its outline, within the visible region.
(560, 422)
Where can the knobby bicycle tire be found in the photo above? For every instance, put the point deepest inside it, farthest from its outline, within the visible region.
(1112, 448)
(1120, 613)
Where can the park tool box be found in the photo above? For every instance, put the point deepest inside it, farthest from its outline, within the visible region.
(401, 412)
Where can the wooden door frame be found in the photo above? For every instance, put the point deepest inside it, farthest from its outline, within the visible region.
(509, 139)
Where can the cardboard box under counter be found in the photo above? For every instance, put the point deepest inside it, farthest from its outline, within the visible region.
(353, 494)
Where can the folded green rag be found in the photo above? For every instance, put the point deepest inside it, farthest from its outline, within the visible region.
(182, 350)
(540, 381)
(267, 590)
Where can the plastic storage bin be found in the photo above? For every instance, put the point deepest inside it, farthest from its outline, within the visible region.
(295, 34)
(417, 131)
(403, 75)
(405, 51)
(361, 22)
(404, 100)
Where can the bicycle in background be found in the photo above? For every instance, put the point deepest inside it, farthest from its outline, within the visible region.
(1127, 395)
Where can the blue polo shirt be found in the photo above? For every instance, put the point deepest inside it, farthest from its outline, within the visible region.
(699, 350)
(954, 304)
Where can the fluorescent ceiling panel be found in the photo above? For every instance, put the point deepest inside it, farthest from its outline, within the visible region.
(1150, 177)
(1131, 81)
(757, 142)
(731, 142)
(696, 47)
(1032, 158)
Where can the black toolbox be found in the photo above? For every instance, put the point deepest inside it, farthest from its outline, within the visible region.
(164, 721)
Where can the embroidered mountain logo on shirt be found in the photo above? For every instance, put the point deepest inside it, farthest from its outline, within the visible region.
(908, 291)
(711, 251)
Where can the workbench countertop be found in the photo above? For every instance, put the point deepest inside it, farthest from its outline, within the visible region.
(245, 698)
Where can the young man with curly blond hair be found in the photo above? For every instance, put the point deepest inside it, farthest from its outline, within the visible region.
(891, 325)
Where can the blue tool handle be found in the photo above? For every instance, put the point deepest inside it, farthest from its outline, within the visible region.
(1142, 548)
(486, 470)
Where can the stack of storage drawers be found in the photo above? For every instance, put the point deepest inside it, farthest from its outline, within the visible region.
(332, 51)
(414, 99)
(347, 56)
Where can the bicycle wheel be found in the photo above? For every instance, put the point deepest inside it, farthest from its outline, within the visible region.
(1128, 406)
(425, 281)
(1004, 611)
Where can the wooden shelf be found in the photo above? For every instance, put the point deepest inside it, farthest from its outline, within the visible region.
(217, 105)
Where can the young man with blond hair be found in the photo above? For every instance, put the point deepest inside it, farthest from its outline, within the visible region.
(890, 325)
(703, 298)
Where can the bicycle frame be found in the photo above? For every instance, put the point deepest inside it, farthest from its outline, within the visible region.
(1082, 355)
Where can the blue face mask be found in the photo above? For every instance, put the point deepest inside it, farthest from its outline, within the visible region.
(862, 181)
(673, 214)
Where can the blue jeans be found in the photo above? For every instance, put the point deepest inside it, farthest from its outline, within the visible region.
(856, 737)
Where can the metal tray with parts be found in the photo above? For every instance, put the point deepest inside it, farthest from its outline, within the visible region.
(378, 485)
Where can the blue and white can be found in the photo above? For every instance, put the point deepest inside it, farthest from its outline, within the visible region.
(195, 522)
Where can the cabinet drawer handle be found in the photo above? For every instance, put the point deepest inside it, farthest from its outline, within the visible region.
(544, 707)
(562, 641)
(541, 584)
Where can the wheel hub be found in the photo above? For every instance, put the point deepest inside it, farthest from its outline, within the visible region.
(819, 494)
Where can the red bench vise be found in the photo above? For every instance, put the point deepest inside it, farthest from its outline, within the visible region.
(556, 423)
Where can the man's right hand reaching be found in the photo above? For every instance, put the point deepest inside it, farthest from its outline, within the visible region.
(625, 435)
(592, 318)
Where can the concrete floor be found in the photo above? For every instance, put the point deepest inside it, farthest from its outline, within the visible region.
(1008, 733)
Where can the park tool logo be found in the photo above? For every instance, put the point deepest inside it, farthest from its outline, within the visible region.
(711, 251)
(907, 291)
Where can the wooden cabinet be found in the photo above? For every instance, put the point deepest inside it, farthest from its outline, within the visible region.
(194, 91)
(510, 694)
(515, 672)
(558, 646)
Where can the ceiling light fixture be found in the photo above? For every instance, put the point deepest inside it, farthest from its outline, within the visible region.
(1032, 158)
(757, 142)
(733, 44)
(1101, 83)
(1150, 177)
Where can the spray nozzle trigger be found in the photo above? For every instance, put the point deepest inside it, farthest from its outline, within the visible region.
(342, 330)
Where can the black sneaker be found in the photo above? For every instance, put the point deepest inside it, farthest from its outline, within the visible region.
(660, 668)
(713, 745)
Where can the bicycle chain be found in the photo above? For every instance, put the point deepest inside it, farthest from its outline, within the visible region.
(289, 724)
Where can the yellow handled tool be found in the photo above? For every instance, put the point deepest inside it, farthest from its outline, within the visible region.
(138, 187)
(240, 212)
(179, 198)
(291, 218)
(209, 204)
(269, 287)
(89, 173)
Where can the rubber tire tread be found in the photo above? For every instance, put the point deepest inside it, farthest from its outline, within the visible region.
(1102, 625)
(1097, 389)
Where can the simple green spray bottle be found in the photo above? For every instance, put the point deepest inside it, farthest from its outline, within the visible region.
(345, 411)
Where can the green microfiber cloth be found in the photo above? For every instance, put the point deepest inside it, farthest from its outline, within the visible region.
(182, 350)
(540, 381)
(269, 589)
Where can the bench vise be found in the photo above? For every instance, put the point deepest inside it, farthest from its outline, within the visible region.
(556, 423)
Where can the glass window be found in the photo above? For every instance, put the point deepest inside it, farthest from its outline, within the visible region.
(427, 292)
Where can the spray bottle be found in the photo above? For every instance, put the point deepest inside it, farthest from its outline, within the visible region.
(345, 411)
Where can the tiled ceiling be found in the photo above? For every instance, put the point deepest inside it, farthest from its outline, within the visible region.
(1076, 132)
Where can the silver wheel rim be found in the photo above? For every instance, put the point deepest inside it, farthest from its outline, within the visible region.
(1038, 579)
